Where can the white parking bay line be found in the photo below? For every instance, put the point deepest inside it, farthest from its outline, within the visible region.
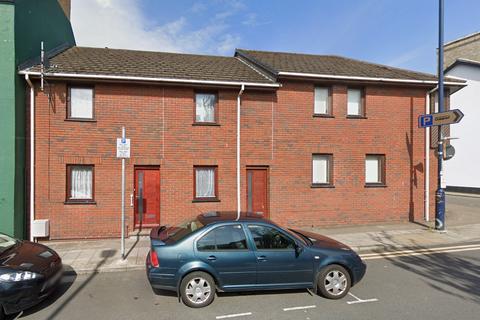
(299, 308)
(360, 300)
(234, 315)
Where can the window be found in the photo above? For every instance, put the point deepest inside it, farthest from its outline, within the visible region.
(355, 105)
(322, 169)
(322, 101)
(205, 183)
(223, 238)
(205, 108)
(267, 238)
(80, 183)
(80, 103)
(375, 169)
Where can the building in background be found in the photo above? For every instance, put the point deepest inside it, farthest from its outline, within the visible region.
(462, 60)
(24, 24)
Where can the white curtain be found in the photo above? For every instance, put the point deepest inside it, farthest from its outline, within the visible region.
(372, 169)
(320, 169)
(81, 103)
(81, 182)
(205, 107)
(354, 102)
(205, 182)
(321, 101)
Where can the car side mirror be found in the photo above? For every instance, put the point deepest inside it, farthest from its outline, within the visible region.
(298, 249)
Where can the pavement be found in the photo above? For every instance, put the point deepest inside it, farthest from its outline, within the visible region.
(463, 227)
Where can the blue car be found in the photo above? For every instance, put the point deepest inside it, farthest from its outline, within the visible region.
(217, 251)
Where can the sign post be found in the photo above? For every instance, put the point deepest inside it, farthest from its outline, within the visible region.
(123, 152)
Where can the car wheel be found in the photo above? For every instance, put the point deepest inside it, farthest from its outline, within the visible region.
(197, 289)
(334, 282)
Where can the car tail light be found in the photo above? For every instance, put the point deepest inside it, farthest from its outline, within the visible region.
(154, 259)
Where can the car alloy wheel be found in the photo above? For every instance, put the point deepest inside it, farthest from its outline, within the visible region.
(334, 282)
(197, 289)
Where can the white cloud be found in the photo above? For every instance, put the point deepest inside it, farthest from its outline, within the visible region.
(122, 24)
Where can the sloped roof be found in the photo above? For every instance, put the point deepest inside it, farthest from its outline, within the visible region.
(328, 65)
(148, 64)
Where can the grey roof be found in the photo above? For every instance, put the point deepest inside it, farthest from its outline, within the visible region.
(276, 62)
(131, 63)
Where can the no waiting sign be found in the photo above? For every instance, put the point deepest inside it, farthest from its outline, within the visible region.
(123, 148)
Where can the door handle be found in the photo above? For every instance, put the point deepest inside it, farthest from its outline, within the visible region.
(262, 258)
(212, 258)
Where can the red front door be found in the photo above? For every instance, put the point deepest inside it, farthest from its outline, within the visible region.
(257, 191)
(147, 196)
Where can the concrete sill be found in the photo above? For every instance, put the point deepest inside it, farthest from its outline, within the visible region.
(80, 120)
(206, 124)
(316, 115)
(322, 185)
(375, 185)
(206, 200)
(356, 117)
(80, 202)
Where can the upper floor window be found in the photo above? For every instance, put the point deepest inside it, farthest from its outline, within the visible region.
(80, 103)
(322, 101)
(205, 108)
(375, 169)
(80, 183)
(355, 105)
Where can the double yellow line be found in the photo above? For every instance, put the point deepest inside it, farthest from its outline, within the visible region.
(418, 252)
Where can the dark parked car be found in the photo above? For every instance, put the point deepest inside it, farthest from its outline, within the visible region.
(217, 251)
(29, 272)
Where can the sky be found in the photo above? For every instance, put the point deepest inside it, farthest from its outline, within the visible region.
(400, 33)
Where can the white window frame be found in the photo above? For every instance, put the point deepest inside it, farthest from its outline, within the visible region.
(361, 103)
(381, 169)
(328, 170)
(71, 113)
(328, 103)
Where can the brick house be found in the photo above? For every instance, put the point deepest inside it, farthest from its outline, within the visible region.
(324, 140)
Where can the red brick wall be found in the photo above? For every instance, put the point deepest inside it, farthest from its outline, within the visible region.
(278, 131)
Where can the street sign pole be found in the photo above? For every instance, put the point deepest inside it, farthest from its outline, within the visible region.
(123, 198)
(440, 194)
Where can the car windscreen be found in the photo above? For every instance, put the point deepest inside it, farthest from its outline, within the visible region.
(181, 231)
(6, 242)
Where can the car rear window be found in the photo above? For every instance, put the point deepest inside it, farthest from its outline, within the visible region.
(184, 229)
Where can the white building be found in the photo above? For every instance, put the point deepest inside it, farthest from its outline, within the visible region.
(462, 60)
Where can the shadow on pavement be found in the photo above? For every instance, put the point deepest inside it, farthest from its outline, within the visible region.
(445, 272)
(67, 281)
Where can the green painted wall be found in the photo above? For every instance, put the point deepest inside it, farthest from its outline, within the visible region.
(27, 24)
(7, 117)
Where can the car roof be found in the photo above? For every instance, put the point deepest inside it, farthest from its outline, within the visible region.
(225, 216)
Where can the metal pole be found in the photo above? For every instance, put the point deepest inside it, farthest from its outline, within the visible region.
(440, 194)
(123, 199)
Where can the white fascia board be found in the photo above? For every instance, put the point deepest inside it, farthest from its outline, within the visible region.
(327, 76)
(149, 79)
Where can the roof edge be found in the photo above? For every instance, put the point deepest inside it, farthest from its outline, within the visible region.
(462, 61)
(356, 78)
(265, 67)
(151, 79)
(461, 39)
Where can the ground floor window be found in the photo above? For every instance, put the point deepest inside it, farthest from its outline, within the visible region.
(375, 169)
(206, 179)
(322, 169)
(80, 183)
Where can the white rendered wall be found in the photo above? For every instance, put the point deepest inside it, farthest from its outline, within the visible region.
(464, 168)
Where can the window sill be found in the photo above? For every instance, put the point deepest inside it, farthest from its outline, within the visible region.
(375, 185)
(356, 117)
(318, 115)
(80, 120)
(321, 185)
(87, 202)
(206, 200)
(208, 124)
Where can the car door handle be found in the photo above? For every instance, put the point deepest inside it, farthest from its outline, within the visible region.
(212, 258)
(262, 258)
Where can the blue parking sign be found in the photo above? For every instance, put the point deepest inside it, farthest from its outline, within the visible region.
(425, 121)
